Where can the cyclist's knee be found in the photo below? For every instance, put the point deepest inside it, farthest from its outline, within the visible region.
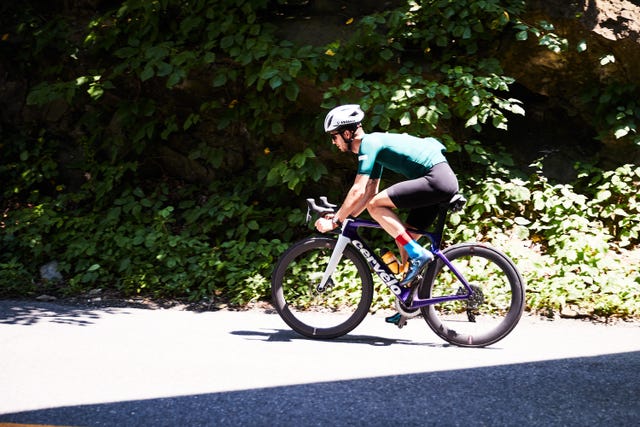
(379, 201)
(374, 202)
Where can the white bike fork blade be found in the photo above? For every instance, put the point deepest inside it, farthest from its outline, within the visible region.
(336, 256)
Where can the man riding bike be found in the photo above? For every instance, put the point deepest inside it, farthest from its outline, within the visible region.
(430, 181)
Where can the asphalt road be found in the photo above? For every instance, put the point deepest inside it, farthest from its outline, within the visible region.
(65, 365)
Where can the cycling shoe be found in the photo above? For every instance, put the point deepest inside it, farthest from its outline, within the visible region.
(415, 266)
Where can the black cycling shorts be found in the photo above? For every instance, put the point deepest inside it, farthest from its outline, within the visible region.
(422, 195)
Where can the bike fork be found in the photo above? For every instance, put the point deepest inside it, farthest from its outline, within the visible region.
(336, 256)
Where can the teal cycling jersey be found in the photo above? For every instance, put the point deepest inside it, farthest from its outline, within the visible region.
(405, 154)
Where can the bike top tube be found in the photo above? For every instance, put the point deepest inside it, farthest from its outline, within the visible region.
(351, 225)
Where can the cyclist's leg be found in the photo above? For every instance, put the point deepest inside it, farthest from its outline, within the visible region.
(438, 185)
(419, 218)
(380, 208)
(421, 195)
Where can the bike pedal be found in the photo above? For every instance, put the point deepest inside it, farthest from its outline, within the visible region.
(397, 319)
(401, 322)
(393, 319)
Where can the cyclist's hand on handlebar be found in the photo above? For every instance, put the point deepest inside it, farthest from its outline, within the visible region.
(325, 224)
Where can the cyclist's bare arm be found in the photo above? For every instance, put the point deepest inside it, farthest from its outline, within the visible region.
(362, 190)
(370, 191)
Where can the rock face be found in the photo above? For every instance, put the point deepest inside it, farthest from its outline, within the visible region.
(604, 47)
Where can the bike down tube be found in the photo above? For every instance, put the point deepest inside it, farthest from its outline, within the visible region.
(375, 263)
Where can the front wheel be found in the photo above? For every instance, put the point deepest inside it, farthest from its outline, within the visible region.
(328, 313)
(494, 308)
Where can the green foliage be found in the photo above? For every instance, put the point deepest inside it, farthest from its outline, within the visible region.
(617, 111)
(301, 168)
(144, 244)
(568, 244)
(441, 74)
(544, 32)
(110, 93)
(614, 201)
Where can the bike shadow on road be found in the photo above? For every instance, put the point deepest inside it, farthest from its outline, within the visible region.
(285, 335)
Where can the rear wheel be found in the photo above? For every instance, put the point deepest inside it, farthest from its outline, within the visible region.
(327, 313)
(494, 308)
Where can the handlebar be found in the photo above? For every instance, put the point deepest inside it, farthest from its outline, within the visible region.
(321, 208)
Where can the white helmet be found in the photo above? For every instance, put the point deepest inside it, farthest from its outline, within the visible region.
(343, 115)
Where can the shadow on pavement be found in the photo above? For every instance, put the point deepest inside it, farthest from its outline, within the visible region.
(30, 313)
(588, 391)
(288, 335)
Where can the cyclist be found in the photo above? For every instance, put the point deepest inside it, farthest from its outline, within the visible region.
(421, 160)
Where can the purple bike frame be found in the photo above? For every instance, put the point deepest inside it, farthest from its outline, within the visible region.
(408, 296)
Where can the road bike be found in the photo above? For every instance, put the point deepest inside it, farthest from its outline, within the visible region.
(471, 295)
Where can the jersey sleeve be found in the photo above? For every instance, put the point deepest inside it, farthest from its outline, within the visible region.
(367, 164)
(376, 172)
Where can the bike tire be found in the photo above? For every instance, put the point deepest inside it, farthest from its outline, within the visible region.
(491, 313)
(321, 315)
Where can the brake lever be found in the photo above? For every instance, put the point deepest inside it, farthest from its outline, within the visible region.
(325, 203)
(308, 218)
(326, 208)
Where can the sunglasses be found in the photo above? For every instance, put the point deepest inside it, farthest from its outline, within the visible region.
(334, 136)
